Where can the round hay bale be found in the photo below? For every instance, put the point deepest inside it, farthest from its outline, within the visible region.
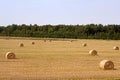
(33, 43)
(50, 40)
(10, 55)
(106, 65)
(93, 52)
(84, 44)
(71, 41)
(116, 48)
(21, 45)
(44, 40)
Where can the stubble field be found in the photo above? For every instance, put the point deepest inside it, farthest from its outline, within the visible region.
(59, 59)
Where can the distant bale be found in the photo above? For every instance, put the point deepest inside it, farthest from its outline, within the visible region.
(21, 45)
(50, 40)
(10, 55)
(106, 65)
(71, 41)
(116, 48)
(84, 44)
(33, 43)
(93, 52)
(44, 40)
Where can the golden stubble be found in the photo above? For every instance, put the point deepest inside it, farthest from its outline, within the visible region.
(58, 59)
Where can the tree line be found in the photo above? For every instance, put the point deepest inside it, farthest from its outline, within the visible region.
(89, 31)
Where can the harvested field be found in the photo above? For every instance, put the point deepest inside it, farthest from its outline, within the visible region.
(58, 60)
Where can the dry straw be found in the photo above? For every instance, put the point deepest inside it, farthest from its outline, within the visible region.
(10, 55)
(93, 52)
(106, 65)
(84, 44)
(21, 45)
(116, 48)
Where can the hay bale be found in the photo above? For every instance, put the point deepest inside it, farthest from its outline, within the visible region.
(93, 52)
(21, 45)
(44, 40)
(71, 41)
(33, 43)
(106, 65)
(50, 40)
(84, 44)
(10, 55)
(116, 48)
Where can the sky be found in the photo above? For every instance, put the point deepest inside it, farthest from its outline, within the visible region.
(54, 12)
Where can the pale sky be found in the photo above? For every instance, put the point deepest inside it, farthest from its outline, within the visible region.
(55, 12)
